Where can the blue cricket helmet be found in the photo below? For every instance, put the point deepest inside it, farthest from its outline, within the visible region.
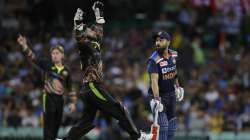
(162, 35)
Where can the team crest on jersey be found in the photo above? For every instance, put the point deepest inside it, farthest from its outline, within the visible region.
(65, 73)
(163, 63)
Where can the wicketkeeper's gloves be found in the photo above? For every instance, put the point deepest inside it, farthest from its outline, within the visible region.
(78, 20)
(98, 8)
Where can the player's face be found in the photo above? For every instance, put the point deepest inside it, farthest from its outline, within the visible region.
(161, 43)
(90, 33)
(57, 56)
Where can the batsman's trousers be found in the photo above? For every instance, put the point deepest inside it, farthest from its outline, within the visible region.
(167, 118)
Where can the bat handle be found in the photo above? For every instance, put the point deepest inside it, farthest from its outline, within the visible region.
(156, 116)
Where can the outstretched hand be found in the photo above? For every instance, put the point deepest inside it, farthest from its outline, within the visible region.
(78, 15)
(98, 5)
(78, 20)
(98, 8)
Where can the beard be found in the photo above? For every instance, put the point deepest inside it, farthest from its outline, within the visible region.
(161, 50)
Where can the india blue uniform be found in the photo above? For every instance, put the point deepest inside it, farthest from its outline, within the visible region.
(166, 68)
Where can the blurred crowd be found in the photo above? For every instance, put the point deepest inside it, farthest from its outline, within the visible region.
(212, 39)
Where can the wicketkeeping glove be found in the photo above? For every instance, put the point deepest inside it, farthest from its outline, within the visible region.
(78, 20)
(98, 8)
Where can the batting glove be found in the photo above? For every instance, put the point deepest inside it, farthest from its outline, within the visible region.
(179, 92)
(98, 8)
(156, 104)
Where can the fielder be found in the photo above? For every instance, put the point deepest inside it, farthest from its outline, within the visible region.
(57, 82)
(164, 87)
(93, 94)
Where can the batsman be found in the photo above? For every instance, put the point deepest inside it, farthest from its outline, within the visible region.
(164, 88)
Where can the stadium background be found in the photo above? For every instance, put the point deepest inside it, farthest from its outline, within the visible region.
(212, 38)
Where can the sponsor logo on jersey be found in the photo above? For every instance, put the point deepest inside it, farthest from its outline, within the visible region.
(166, 70)
(65, 73)
(163, 63)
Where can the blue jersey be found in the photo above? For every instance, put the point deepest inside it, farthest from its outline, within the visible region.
(166, 68)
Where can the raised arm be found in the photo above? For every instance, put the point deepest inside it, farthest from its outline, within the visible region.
(79, 26)
(81, 32)
(22, 41)
(29, 54)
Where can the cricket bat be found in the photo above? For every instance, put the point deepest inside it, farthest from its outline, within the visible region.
(155, 128)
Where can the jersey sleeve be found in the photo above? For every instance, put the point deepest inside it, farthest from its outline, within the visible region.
(37, 61)
(152, 66)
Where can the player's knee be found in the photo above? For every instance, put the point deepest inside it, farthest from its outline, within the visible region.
(121, 113)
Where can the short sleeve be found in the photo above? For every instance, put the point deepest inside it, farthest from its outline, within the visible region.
(152, 67)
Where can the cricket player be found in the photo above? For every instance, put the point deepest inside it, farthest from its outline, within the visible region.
(164, 87)
(93, 94)
(57, 80)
